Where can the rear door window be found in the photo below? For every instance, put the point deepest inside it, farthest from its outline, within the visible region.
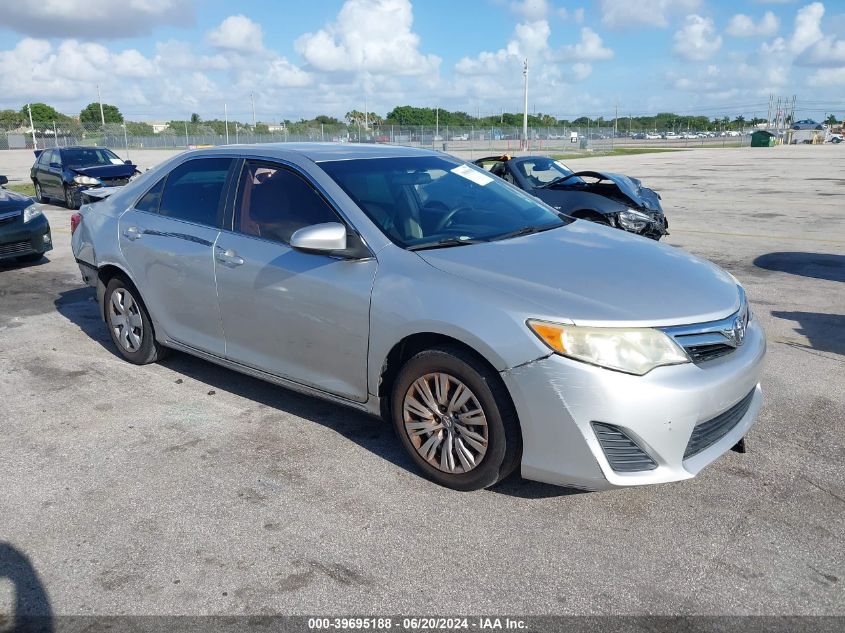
(149, 201)
(193, 191)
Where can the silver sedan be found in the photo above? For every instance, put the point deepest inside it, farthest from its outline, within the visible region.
(494, 332)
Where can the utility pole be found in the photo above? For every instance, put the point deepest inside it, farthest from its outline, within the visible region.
(437, 120)
(366, 114)
(525, 105)
(226, 118)
(32, 127)
(616, 121)
(100, 99)
(186, 135)
(252, 98)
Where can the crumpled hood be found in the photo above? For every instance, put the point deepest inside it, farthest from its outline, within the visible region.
(630, 188)
(592, 274)
(10, 201)
(106, 171)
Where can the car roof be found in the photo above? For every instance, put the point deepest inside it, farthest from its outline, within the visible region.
(320, 152)
(61, 149)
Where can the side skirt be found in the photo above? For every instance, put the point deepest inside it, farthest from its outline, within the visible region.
(371, 406)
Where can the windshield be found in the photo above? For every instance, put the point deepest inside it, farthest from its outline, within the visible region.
(541, 171)
(428, 200)
(89, 157)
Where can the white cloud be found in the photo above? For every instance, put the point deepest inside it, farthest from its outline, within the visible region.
(630, 13)
(582, 70)
(827, 77)
(808, 27)
(36, 70)
(589, 49)
(531, 9)
(238, 33)
(742, 25)
(374, 36)
(697, 40)
(94, 19)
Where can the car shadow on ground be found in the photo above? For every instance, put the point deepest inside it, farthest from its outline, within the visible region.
(30, 605)
(826, 332)
(816, 265)
(79, 306)
(14, 264)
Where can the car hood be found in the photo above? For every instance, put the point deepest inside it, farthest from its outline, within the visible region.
(11, 201)
(106, 171)
(630, 188)
(595, 275)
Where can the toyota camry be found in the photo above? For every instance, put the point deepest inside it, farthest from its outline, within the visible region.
(494, 333)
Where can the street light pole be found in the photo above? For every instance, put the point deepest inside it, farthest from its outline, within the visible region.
(32, 127)
(525, 105)
(252, 97)
(100, 99)
(226, 118)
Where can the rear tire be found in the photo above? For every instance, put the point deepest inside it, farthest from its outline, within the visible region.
(39, 193)
(455, 419)
(129, 324)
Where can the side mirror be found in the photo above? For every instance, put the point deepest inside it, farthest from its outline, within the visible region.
(4, 180)
(320, 238)
(127, 162)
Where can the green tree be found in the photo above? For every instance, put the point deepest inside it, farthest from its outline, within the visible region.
(195, 118)
(91, 113)
(831, 120)
(139, 128)
(42, 113)
(10, 119)
(261, 128)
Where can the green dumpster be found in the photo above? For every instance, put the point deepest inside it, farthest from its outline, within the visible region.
(762, 138)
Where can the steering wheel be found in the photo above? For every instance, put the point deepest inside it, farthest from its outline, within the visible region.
(446, 219)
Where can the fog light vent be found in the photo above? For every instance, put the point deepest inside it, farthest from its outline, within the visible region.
(623, 453)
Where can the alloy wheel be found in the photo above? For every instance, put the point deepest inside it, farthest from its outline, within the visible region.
(445, 423)
(125, 320)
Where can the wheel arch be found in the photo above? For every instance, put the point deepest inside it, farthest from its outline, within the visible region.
(412, 344)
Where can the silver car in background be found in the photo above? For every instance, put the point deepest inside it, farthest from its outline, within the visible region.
(492, 331)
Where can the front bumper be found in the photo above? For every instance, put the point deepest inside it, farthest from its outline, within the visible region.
(18, 239)
(558, 400)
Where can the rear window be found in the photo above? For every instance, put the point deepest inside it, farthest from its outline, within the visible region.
(193, 191)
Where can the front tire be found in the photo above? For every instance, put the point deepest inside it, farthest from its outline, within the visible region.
(129, 324)
(70, 200)
(455, 419)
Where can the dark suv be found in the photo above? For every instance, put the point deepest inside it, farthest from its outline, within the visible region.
(65, 172)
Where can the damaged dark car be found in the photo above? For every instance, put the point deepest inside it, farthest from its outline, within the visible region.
(603, 197)
(65, 173)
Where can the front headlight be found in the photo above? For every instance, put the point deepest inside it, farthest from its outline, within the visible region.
(31, 212)
(633, 220)
(630, 350)
(85, 180)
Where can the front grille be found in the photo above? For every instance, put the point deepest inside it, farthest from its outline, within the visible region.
(708, 433)
(708, 341)
(10, 216)
(703, 353)
(114, 182)
(15, 248)
(623, 454)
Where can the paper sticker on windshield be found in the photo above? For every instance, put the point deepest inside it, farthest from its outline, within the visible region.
(116, 161)
(470, 174)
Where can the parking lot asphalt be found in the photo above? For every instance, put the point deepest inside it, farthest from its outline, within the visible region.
(185, 488)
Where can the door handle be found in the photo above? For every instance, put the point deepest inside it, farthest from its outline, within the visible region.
(132, 233)
(228, 257)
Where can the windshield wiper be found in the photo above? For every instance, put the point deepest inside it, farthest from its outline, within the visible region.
(444, 243)
(556, 181)
(525, 230)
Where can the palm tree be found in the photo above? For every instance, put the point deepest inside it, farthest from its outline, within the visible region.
(831, 120)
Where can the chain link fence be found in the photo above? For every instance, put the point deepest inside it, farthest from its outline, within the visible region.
(478, 140)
